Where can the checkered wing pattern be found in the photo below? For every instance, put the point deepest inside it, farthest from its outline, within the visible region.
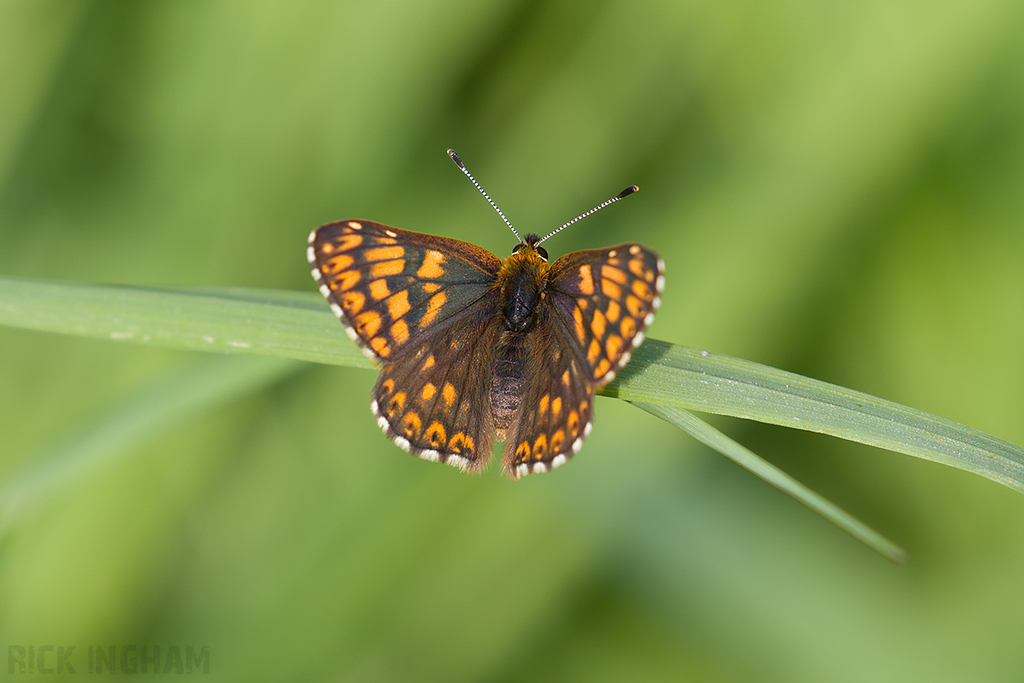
(598, 304)
(423, 306)
(441, 317)
(395, 289)
(435, 403)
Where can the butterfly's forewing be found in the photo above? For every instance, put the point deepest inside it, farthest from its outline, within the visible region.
(395, 289)
(598, 304)
(605, 299)
(424, 307)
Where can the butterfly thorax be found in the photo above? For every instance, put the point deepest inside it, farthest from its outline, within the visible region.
(520, 284)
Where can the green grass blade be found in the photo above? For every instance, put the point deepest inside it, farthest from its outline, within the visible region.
(668, 374)
(298, 325)
(152, 409)
(746, 458)
(267, 322)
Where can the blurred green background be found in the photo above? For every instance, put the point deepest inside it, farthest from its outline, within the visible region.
(837, 189)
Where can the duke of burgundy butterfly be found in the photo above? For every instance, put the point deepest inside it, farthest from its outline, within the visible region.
(472, 347)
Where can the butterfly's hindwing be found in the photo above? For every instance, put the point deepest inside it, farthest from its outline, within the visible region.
(394, 289)
(432, 402)
(555, 411)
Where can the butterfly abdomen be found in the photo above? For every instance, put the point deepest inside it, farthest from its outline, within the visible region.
(508, 381)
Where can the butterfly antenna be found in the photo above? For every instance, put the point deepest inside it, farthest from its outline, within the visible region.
(458, 162)
(625, 193)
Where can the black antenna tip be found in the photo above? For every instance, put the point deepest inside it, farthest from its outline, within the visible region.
(628, 191)
(456, 159)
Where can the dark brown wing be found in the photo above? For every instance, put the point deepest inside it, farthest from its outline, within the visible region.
(424, 307)
(435, 401)
(395, 289)
(556, 409)
(605, 299)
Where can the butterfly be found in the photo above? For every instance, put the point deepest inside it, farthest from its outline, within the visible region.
(472, 346)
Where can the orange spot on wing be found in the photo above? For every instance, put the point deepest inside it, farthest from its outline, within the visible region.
(637, 267)
(386, 269)
(614, 274)
(594, 351)
(398, 305)
(428, 363)
(597, 324)
(396, 404)
(574, 424)
(431, 267)
(577, 316)
(379, 289)
(434, 307)
(411, 425)
(348, 241)
(338, 263)
(352, 302)
(380, 345)
(611, 290)
(523, 452)
(461, 443)
(633, 305)
(367, 323)
(543, 407)
(628, 328)
(384, 253)
(586, 280)
(558, 441)
(448, 394)
(641, 289)
(400, 332)
(613, 347)
(613, 310)
(346, 280)
(435, 435)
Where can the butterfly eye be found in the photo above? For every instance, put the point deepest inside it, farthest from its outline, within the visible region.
(517, 248)
(543, 253)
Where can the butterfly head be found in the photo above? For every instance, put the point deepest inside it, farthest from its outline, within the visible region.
(530, 246)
